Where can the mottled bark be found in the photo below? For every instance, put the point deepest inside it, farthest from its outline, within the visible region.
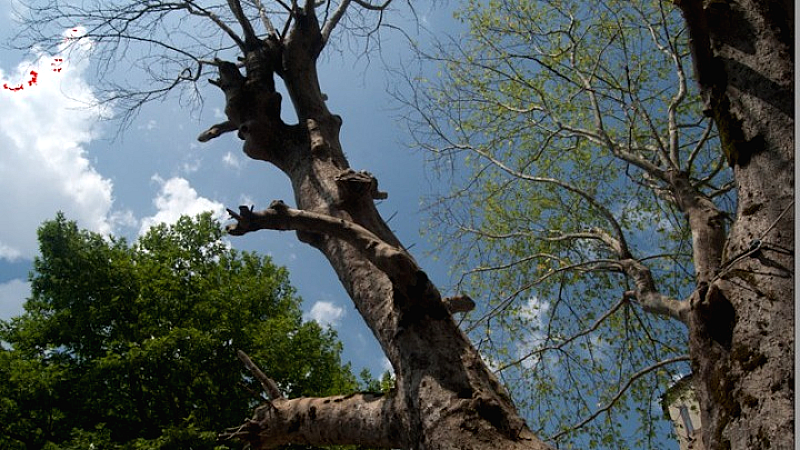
(445, 396)
(742, 319)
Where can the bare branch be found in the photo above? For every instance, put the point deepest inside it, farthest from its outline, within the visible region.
(197, 10)
(267, 383)
(250, 38)
(371, 7)
(262, 13)
(459, 303)
(393, 261)
(331, 23)
(619, 394)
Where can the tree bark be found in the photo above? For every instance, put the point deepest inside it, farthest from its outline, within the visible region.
(742, 320)
(445, 396)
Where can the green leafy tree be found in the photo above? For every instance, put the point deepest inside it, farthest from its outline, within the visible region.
(593, 205)
(134, 345)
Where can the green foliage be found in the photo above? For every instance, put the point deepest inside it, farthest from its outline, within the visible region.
(370, 384)
(133, 346)
(558, 119)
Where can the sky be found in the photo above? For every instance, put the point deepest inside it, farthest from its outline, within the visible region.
(57, 153)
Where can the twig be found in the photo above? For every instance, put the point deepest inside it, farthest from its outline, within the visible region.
(619, 394)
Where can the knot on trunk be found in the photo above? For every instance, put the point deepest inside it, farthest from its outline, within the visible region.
(353, 185)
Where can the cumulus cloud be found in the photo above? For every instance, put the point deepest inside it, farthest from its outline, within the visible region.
(175, 199)
(325, 314)
(49, 113)
(12, 296)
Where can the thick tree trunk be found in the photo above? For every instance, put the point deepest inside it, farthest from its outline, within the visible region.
(741, 324)
(445, 397)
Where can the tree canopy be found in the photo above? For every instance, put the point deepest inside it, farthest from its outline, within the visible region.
(577, 151)
(134, 345)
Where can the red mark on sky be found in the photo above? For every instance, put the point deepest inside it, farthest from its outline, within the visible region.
(55, 65)
(21, 86)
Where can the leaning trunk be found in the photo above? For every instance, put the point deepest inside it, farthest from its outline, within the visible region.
(741, 325)
(445, 396)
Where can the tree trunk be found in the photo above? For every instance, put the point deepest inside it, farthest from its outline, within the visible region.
(445, 396)
(741, 325)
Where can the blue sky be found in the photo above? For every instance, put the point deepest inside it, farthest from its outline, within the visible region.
(56, 154)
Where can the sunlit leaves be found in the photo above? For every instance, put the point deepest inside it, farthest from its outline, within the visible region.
(558, 119)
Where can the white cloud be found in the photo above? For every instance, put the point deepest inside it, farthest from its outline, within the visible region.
(123, 219)
(325, 314)
(176, 198)
(246, 200)
(191, 165)
(48, 116)
(12, 296)
(232, 160)
(150, 125)
(9, 253)
(535, 311)
(534, 314)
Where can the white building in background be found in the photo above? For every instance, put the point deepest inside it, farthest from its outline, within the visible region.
(681, 406)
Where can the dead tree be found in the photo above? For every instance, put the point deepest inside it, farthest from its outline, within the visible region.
(445, 396)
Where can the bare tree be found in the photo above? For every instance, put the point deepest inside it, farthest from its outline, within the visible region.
(445, 396)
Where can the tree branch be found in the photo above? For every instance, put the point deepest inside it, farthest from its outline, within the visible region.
(572, 338)
(586, 266)
(619, 394)
(395, 262)
(646, 293)
(262, 13)
(331, 23)
(250, 38)
(197, 10)
(368, 419)
(267, 383)
(575, 190)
